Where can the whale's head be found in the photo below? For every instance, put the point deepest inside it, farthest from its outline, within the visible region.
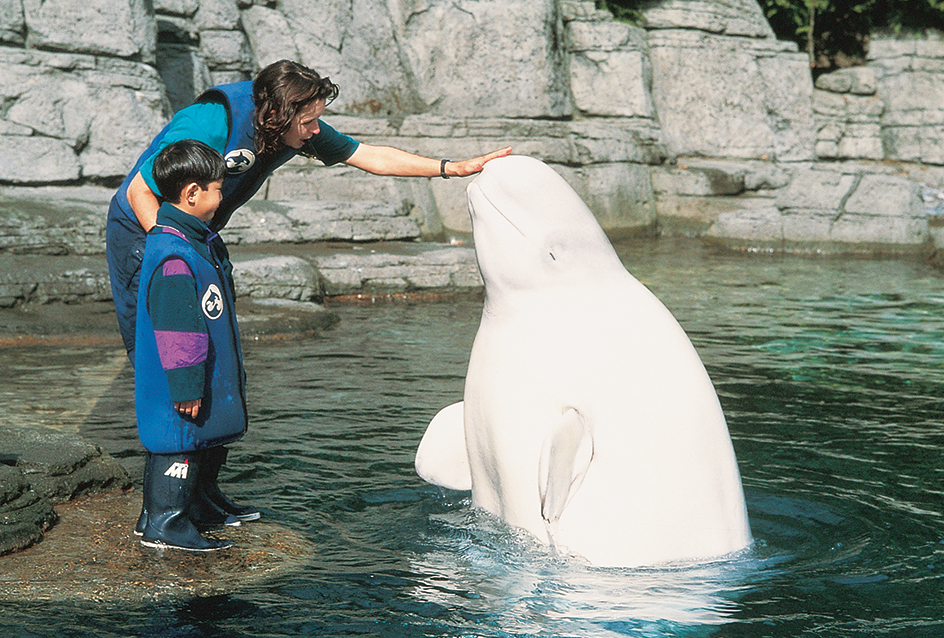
(531, 229)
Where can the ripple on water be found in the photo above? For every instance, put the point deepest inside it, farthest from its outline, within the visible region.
(830, 373)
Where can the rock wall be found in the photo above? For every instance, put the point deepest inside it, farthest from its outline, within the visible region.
(699, 122)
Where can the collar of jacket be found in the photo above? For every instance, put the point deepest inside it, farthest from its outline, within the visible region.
(194, 230)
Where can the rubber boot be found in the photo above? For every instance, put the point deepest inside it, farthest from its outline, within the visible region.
(214, 459)
(205, 514)
(169, 492)
(143, 517)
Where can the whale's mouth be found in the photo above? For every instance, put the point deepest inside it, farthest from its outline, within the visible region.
(498, 210)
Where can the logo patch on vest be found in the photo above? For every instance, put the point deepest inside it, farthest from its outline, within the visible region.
(239, 161)
(213, 302)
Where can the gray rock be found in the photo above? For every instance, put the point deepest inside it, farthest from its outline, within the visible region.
(620, 194)
(277, 277)
(38, 160)
(53, 220)
(298, 221)
(177, 7)
(40, 279)
(560, 80)
(226, 50)
(610, 74)
(583, 10)
(612, 84)
(60, 466)
(908, 80)
(24, 514)
(859, 80)
(264, 316)
(336, 37)
(845, 210)
(12, 23)
(749, 227)
(71, 112)
(727, 17)
(269, 36)
(720, 96)
(379, 271)
(508, 63)
(120, 28)
(217, 15)
(185, 72)
(39, 467)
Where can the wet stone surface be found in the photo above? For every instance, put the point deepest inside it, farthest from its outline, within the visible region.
(40, 466)
(92, 554)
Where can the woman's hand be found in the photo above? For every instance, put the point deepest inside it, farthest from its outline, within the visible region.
(387, 160)
(474, 165)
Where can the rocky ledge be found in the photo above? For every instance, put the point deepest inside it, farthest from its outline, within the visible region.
(40, 467)
(93, 555)
(52, 246)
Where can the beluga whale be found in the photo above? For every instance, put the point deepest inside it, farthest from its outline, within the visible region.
(588, 418)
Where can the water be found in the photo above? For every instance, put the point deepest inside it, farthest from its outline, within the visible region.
(831, 375)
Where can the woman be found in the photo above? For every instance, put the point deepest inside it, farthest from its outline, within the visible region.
(258, 126)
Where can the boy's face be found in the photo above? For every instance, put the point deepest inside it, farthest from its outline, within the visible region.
(205, 202)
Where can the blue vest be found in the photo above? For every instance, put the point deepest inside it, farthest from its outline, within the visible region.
(222, 415)
(245, 173)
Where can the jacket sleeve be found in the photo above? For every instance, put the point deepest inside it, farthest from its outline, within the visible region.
(329, 146)
(203, 122)
(179, 328)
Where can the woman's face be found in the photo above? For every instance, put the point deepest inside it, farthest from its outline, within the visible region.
(304, 125)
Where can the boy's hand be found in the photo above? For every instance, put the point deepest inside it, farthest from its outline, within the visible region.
(188, 408)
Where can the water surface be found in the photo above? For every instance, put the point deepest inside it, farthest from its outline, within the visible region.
(831, 375)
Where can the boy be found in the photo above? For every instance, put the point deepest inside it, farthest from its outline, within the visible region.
(189, 378)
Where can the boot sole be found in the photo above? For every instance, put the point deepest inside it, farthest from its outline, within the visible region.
(236, 524)
(209, 527)
(162, 545)
(255, 516)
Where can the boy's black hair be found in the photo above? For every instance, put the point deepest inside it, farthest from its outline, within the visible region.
(185, 162)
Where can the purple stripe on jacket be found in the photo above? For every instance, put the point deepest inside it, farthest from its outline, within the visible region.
(181, 349)
(175, 267)
(174, 231)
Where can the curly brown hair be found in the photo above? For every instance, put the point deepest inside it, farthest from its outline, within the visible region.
(279, 92)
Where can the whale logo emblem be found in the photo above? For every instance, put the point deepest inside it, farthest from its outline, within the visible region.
(239, 161)
(213, 302)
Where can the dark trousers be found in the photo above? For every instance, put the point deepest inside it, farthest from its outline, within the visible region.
(124, 251)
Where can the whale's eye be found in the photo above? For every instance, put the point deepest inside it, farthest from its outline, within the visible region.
(552, 256)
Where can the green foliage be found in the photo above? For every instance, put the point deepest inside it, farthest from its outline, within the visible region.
(907, 15)
(842, 27)
(839, 30)
(624, 10)
(791, 17)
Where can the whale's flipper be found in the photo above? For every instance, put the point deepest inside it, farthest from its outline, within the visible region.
(442, 458)
(565, 458)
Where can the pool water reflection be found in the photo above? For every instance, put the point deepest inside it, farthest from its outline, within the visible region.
(831, 375)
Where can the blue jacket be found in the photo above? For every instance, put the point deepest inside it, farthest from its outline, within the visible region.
(222, 416)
